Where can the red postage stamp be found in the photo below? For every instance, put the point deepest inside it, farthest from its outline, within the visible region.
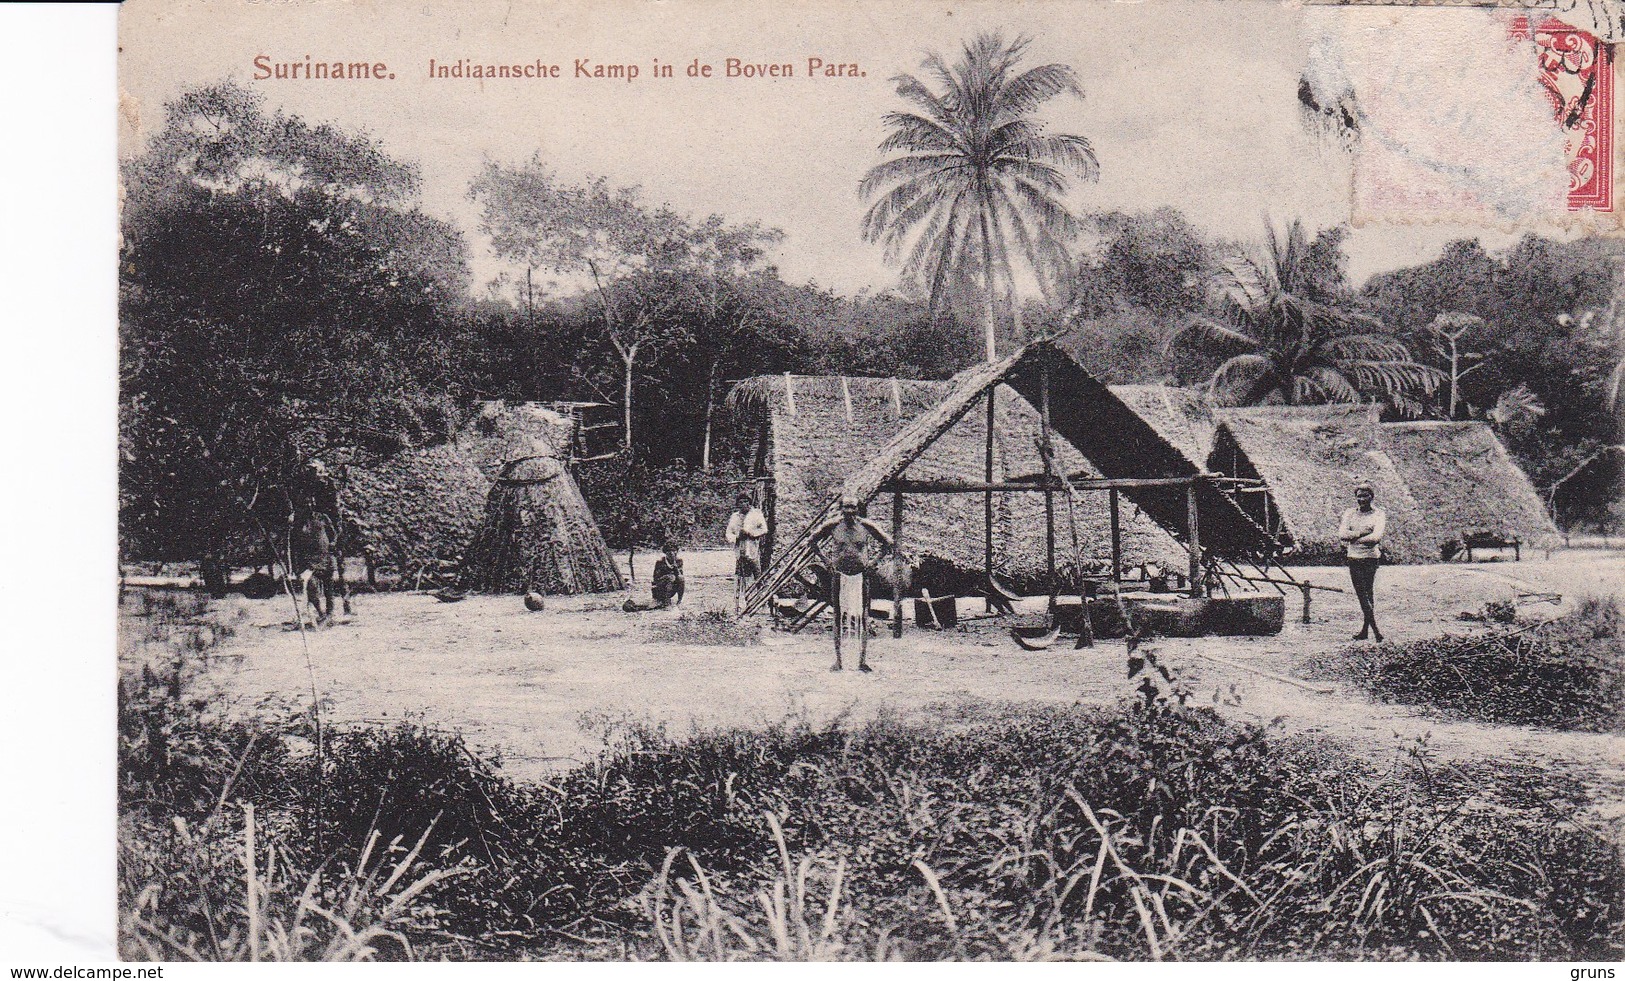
(1577, 71)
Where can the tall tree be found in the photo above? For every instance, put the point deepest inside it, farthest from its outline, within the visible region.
(619, 250)
(281, 300)
(726, 285)
(977, 187)
(1291, 334)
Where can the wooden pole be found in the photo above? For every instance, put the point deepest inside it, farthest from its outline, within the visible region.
(1195, 541)
(1117, 541)
(1049, 481)
(987, 500)
(897, 565)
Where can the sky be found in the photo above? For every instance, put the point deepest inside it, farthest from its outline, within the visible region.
(1191, 105)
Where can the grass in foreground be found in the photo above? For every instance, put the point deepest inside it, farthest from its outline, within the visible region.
(1568, 673)
(1152, 831)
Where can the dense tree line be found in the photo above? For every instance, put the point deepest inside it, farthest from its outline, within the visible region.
(284, 300)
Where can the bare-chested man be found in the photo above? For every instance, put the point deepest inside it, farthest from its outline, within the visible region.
(849, 535)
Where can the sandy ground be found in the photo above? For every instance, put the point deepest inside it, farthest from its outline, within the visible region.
(523, 683)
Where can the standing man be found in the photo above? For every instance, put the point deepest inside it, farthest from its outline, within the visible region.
(850, 535)
(311, 556)
(746, 529)
(1362, 529)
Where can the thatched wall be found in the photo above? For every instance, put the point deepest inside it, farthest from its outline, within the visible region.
(1464, 481)
(1312, 460)
(538, 535)
(417, 509)
(811, 451)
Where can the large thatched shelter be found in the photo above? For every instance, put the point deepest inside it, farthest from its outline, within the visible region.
(538, 536)
(1437, 480)
(810, 433)
(1464, 481)
(415, 511)
(931, 442)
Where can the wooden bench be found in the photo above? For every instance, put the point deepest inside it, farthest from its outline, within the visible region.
(1463, 547)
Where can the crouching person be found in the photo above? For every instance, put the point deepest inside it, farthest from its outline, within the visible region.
(668, 586)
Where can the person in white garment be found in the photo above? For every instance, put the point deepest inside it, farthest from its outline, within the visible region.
(747, 526)
(1361, 530)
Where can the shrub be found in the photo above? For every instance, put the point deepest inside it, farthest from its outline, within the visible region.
(1149, 831)
(1567, 673)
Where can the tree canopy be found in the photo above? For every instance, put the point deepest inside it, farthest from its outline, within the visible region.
(282, 301)
(977, 187)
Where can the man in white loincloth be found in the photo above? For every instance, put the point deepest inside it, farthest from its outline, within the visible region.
(850, 535)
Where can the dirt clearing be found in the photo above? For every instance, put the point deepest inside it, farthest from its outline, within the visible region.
(536, 686)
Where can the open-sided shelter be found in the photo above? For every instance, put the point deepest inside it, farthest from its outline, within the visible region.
(810, 433)
(1098, 447)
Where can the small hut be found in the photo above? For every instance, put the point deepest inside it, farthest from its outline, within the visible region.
(1438, 481)
(1310, 457)
(538, 536)
(415, 510)
(1465, 483)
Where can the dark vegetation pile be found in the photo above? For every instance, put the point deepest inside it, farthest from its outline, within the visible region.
(705, 628)
(1566, 673)
(1150, 831)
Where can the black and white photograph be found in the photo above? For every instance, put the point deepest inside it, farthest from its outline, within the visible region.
(868, 481)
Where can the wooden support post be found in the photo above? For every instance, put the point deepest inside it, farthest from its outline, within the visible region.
(1047, 452)
(1195, 541)
(987, 500)
(896, 565)
(1117, 541)
(1308, 591)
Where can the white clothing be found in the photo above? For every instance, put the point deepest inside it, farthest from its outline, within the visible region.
(752, 525)
(1363, 530)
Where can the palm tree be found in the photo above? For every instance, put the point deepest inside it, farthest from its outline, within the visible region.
(1289, 337)
(977, 186)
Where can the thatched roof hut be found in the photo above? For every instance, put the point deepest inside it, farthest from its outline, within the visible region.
(538, 536)
(415, 510)
(1464, 481)
(814, 432)
(819, 435)
(1311, 457)
(1436, 480)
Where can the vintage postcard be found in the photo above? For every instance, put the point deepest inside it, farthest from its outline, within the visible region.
(915, 480)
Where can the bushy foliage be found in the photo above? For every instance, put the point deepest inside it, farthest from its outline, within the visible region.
(641, 504)
(1150, 831)
(1568, 673)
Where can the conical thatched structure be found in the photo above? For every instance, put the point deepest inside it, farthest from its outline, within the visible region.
(538, 536)
(415, 510)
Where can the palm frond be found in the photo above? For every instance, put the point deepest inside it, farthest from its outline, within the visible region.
(1328, 384)
(1072, 153)
(1205, 330)
(884, 219)
(914, 166)
(913, 133)
(1036, 86)
(1243, 369)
